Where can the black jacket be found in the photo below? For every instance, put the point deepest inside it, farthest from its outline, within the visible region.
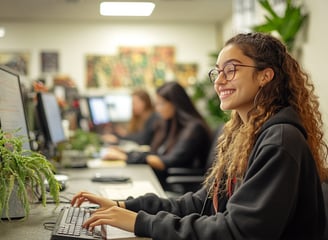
(144, 136)
(280, 196)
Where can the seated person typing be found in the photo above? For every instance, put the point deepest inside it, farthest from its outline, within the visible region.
(141, 127)
(182, 139)
(266, 180)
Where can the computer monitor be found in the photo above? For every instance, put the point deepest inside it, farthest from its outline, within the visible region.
(12, 110)
(119, 106)
(84, 108)
(98, 110)
(50, 121)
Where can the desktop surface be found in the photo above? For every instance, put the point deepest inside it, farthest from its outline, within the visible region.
(78, 179)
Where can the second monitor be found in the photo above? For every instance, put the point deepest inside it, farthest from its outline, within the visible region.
(119, 106)
(50, 121)
(110, 108)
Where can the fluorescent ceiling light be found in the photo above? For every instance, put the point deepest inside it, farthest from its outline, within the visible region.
(2, 32)
(126, 8)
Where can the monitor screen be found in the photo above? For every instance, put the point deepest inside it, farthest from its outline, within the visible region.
(84, 108)
(50, 118)
(98, 110)
(12, 111)
(119, 106)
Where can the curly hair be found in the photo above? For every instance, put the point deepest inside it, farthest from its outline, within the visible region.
(290, 86)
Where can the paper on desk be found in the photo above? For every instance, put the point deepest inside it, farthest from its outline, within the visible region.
(116, 233)
(123, 191)
(99, 163)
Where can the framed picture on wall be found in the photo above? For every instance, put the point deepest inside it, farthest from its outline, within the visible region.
(18, 61)
(104, 71)
(186, 73)
(49, 62)
(163, 64)
(132, 67)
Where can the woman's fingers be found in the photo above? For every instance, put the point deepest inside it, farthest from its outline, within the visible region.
(114, 216)
(78, 199)
(81, 197)
(97, 219)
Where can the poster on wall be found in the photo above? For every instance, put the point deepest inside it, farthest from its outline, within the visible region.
(163, 64)
(186, 73)
(18, 61)
(49, 62)
(137, 62)
(104, 71)
(132, 67)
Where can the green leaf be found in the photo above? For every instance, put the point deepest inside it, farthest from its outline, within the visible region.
(21, 169)
(286, 26)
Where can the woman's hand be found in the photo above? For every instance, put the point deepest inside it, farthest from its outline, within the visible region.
(114, 216)
(155, 162)
(82, 197)
(114, 153)
(109, 138)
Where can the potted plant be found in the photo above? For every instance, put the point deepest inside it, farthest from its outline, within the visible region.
(82, 145)
(22, 177)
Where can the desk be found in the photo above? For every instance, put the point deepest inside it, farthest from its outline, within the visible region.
(79, 179)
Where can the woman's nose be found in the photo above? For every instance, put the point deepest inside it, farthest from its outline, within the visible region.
(220, 79)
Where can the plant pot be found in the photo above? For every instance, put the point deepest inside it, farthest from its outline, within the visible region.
(74, 158)
(16, 208)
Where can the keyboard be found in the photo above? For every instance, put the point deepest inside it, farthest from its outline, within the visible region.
(69, 225)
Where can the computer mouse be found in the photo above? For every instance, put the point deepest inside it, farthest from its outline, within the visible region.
(62, 180)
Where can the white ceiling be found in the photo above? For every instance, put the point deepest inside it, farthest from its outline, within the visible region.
(88, 10)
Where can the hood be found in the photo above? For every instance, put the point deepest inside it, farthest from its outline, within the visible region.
(286, 115)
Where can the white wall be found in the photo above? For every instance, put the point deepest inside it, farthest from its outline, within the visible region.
(193, 42)
(315, 51)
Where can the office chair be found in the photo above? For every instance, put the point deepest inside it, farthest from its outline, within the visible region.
(182, 180)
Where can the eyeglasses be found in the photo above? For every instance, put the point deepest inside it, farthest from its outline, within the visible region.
(228, 71)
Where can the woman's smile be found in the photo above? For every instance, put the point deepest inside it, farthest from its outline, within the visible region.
(224, 93)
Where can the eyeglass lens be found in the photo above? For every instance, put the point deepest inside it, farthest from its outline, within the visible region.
(228, 73)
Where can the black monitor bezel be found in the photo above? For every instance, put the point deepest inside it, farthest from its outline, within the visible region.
(43, 121)
(17, 75)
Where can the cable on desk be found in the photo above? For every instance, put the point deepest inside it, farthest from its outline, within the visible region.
(49, 225)
(50, 200)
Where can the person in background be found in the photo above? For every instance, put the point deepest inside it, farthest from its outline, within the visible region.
(182, 140)
(144, 120)
(271, 161)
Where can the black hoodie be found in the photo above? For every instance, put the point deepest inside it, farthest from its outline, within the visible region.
(280, 196)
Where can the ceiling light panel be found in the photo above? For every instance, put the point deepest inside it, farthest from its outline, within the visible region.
(126, 8)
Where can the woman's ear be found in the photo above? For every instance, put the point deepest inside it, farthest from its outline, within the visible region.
(266, 76)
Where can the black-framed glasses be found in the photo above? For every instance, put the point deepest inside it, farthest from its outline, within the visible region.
(228, 71)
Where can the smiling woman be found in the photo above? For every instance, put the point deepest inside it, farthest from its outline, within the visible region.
(258, 165)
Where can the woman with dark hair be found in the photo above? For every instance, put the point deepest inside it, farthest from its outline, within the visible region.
(183, 139)
(272, 158)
